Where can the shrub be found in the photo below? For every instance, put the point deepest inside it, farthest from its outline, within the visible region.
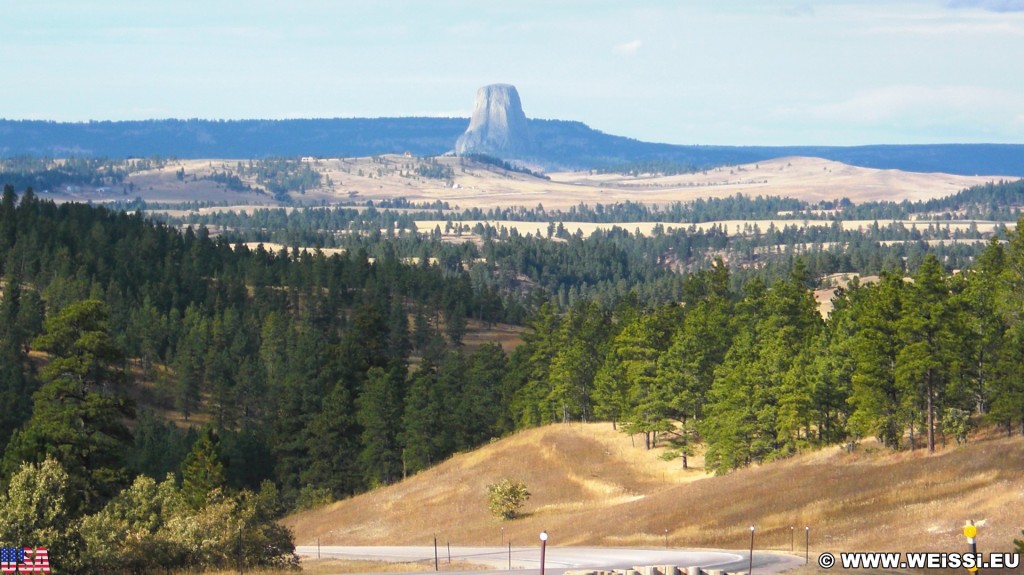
(506, 497)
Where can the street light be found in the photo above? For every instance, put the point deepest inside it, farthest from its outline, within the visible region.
(750, 567)
(666, 539)
(792, 537)
(543, 547)
(807, 545)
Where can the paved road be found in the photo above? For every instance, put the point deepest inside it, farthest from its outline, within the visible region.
(526, 560)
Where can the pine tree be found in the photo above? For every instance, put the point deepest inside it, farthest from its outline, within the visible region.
(16, 384)
(540, 344)
(332, 445)
(202, 471)
(189, 362)
(422, 421)
(730, 426)
(79, 413)
(480, 404)
(877, 401)
(274, 345)
(633, 355)
(583, 333)
(1007, 385)
(379, 413)
(698, 347)
(399, 345)
(8, 221)
(159, 447)
(923, 362)
(983, 338)
(793, 331)
(448, 394)
(759, 401)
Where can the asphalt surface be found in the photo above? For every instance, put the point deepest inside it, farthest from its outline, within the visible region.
(526, 560)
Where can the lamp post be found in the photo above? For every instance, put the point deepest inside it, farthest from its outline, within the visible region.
(792, 537)
(543, 548)
(807, 545)
(666, 539)
(750, 566)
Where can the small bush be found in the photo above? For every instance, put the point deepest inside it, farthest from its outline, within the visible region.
(506, 497)
(311, 497)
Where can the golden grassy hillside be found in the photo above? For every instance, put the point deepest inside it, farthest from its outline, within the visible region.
(591, 486)
(478, 185)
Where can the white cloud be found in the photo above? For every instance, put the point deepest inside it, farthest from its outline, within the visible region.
(922, 106)
(991, 5)
(799, 11)
(951, 28)
(628, 48)
(890, 102)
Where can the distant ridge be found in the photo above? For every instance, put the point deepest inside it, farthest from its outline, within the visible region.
(231, 138)
(559, 144)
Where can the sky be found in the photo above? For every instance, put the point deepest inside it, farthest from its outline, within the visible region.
(729, 72)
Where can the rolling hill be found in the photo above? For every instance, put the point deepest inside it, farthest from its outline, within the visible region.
(592, 486)
(473, 184)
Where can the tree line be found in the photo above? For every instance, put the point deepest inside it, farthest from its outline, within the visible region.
(758, 374)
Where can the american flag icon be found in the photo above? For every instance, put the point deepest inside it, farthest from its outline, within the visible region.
(24, 560)
(35, 560)
(10, 558)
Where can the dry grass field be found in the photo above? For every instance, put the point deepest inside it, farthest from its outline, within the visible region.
(592, 486)
(508, 336)
(388, 176)
(810, 179)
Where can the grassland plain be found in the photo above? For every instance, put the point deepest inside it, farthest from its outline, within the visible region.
(592, 485)
(484, 186)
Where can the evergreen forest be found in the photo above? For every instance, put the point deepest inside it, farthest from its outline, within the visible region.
(172, 392)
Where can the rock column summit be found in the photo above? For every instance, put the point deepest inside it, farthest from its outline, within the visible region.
(498, 126)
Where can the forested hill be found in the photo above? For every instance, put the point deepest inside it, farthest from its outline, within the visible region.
(284, 375)
(277, 381)
(562, 144)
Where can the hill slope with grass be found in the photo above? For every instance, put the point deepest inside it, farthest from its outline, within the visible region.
(591, 485)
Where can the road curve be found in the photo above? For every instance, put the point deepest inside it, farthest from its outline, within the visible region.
(526, 560)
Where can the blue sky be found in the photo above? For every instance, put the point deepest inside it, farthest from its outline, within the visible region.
(743, 72)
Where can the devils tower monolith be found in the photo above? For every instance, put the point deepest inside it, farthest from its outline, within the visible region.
(498, 126)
